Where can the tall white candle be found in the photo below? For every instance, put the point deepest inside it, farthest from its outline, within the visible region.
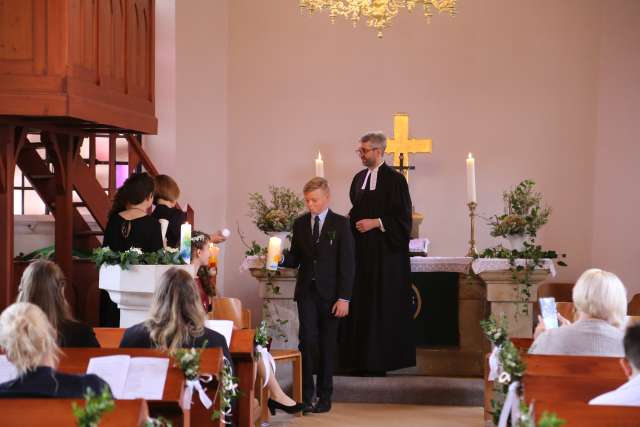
(471, 179)
(274, 253)
(185, 242)
(319, 166)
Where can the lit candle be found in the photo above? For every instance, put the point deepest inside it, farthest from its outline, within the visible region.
(319, 166)
(213, 255)
(185, 242)
(471, 179)
(273, 253)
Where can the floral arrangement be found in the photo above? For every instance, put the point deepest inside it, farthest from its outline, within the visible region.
(512, 368)
(228, 392)
(157, 422)
(262, 334)
(278, 215)
(523, 214)
(188, 360)
(134, 256)
(95, 407)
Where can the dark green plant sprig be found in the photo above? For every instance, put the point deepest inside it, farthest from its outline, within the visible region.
(255, 249)
(550, 419)
(95, 407)
(134, 256)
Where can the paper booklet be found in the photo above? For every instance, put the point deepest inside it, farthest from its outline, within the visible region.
(8, 372)
(132, 377)
(223, 327)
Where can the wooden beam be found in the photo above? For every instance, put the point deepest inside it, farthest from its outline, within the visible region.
(8, 145)
(112, 166)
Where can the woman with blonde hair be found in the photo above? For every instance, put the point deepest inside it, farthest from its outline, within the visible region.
(42, 284)
(600, 300)
(176, 319)
(29, 342)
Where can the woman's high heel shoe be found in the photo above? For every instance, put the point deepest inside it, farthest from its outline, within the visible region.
(294, 409)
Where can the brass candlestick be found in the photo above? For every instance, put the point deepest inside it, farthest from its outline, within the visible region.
(472, 240)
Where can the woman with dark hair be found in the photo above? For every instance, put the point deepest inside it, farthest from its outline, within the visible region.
(42, 284)
(130, 226)
(129, 223)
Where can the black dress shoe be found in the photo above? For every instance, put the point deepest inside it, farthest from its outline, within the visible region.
(308, 407)
(322, 406)
(294, 409)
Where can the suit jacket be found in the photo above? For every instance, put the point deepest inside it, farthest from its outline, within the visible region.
(329, 265)
(46, 382)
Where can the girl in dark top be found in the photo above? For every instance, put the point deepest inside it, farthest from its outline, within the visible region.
(165, 198)
(176, 318)
(42, 284)
(29, 342)
(128, 227)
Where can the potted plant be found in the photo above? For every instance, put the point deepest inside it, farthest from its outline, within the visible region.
(276, 217)
(524, 214)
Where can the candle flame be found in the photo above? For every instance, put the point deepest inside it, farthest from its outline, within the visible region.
(319, 156)
(470, 156)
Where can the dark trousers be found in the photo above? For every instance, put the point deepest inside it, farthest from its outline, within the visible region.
(318, 340)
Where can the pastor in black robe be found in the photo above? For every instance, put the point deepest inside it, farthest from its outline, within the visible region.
(378, 334)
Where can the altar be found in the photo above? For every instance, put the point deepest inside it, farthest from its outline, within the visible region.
(451, 295)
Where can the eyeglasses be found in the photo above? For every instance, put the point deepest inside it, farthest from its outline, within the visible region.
(361, 151)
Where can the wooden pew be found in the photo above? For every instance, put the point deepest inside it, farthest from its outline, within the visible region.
(580, 414)
(245, 369)
(591, 366)
(567, 388)
(76, 360)
(241, 355)
(57, 412)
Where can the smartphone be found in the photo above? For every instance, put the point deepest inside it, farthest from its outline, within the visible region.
(549, 312)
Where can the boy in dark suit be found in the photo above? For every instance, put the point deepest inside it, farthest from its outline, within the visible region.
(322, 249)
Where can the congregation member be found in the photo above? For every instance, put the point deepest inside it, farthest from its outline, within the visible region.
(600, 300)
(627, 394)
(43, 284)
(129, 226)
(165, 199)
(379, 330)
(322, 249)
(200, 253)
(29, 342)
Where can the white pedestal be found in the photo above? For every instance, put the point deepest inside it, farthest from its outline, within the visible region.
(133, 289)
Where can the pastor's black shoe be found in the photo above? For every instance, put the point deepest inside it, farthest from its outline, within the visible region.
(294, 409)
(322, 406)
(308, 408)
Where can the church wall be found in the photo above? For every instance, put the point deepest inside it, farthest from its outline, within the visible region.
(513, 82)
(616, 222)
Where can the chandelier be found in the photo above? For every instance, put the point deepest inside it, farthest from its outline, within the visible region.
(378, 13)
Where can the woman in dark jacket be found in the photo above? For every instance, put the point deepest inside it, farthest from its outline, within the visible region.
(29, 342)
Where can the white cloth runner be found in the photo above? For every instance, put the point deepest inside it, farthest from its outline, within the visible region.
(430, 264)
(188, 393)
(267, 361)
(481, 265)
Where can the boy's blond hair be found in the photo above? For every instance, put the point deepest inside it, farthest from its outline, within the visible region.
(316, 184)
(166, 188)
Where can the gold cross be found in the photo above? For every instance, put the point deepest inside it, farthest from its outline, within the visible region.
(403, 145)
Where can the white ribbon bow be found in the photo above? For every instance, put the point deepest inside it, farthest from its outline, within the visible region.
(511, 406)
(188, 393)
(494, 364)
(266, 359)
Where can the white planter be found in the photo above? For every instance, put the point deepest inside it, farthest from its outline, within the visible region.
(516, 241)
(133, 289)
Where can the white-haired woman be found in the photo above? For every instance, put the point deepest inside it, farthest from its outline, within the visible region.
(29, 341)
(600, 300)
